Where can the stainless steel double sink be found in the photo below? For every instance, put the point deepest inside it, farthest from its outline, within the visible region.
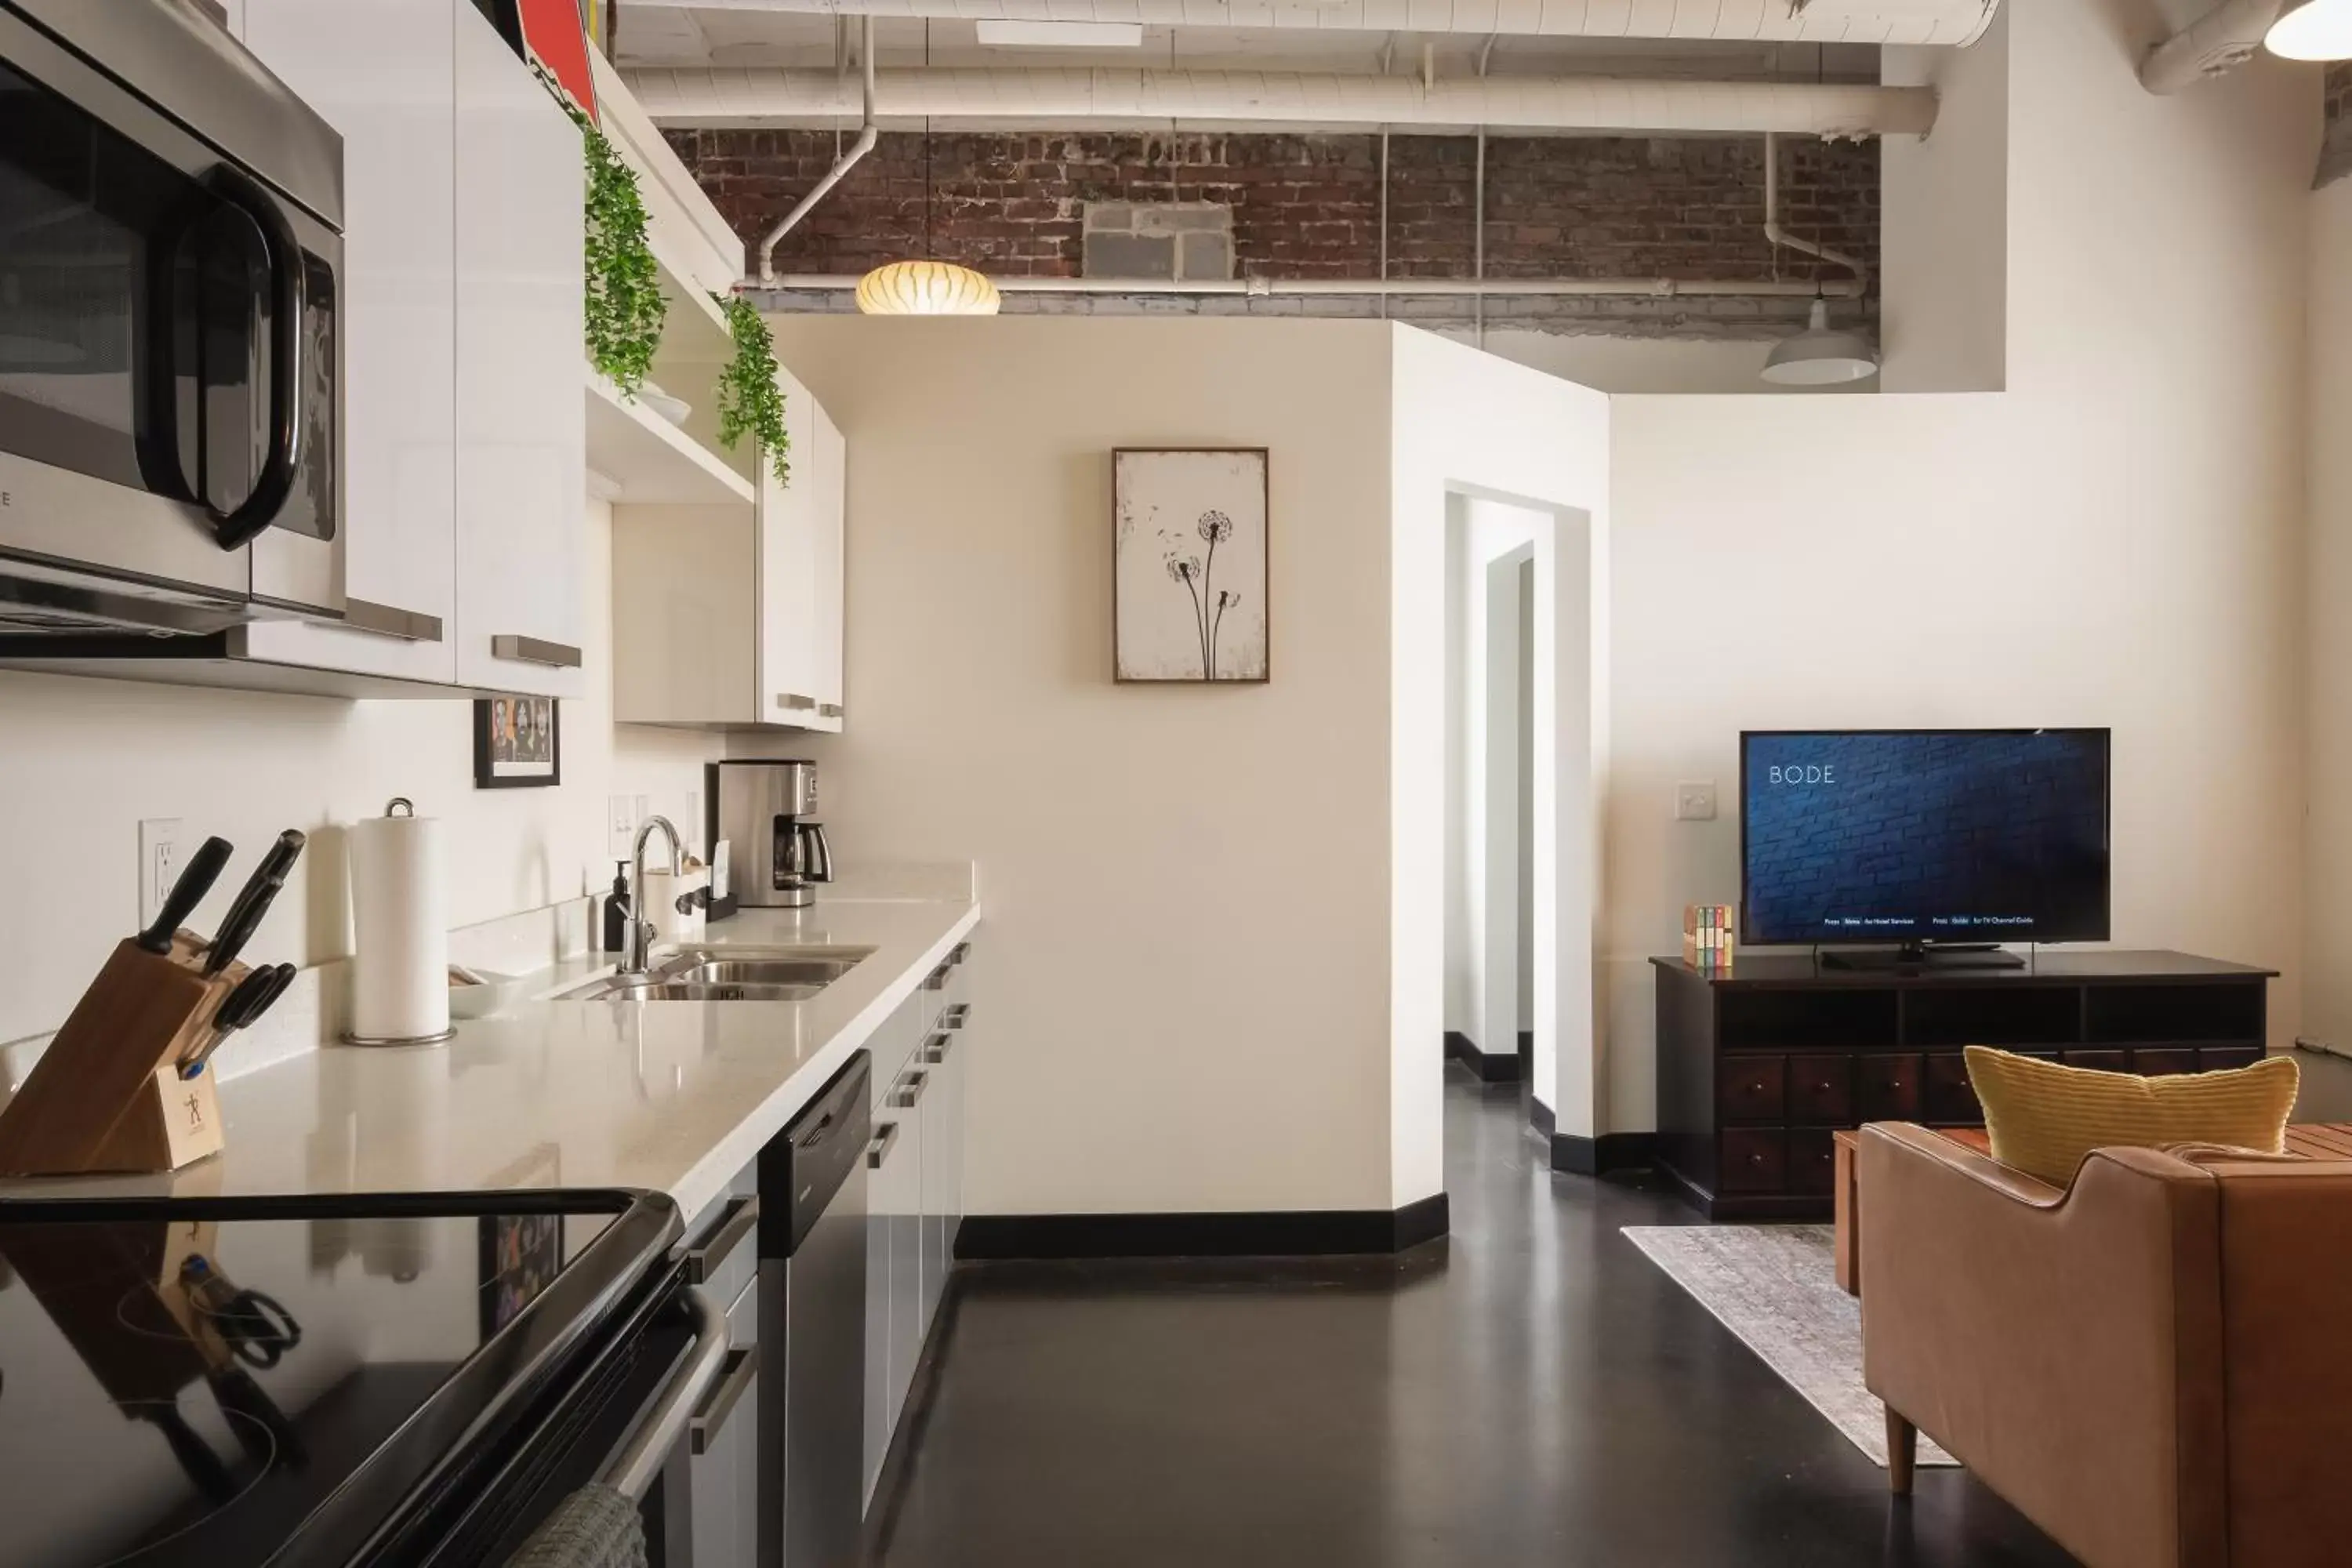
(728, 973)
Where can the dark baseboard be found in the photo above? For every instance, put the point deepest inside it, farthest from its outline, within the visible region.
(1461, 1047)
(1317, 1233)
(1539, 1117)
(1599, 1156)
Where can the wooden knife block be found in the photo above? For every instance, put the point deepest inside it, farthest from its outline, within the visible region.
(106, 1094)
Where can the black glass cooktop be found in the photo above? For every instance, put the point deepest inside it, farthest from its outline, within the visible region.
(266, 1383)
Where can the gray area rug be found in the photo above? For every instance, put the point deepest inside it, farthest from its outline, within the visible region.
(1775, 1286)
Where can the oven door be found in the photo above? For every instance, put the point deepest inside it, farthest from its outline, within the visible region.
(169, 375)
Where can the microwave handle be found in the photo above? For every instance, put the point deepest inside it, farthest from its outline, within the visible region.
(236, 528)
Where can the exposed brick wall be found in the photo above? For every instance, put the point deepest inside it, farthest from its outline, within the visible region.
(2336, 146)
(1306, 207)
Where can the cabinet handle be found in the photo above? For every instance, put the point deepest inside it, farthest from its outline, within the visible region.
(956, 1015)
(908, 1092)
(742, 1367)
(703, 1263)
(794, 702)
(936, 1048)
(828, 710)
(391, 621)
(535, 651)
(962, 951)
(877, 1152)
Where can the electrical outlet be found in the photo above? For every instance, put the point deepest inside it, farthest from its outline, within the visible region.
(1695, 801)
(621, 812)
(159, 865)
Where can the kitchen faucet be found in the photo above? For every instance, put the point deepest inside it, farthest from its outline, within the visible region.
(636, 949)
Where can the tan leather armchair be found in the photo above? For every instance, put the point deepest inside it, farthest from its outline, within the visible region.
(2154, 1365)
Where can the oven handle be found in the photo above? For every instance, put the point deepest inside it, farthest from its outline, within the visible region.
(639, 1463)
(236, 528)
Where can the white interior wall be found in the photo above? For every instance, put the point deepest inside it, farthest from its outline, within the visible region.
(2328, 588)
(1497, 540)
(2114, 541)
(1187, 887)
(1461, 954)
(1469, 423)
(1944, 222)
(83, 761)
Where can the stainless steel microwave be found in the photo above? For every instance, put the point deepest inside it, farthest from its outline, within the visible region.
(171, 261)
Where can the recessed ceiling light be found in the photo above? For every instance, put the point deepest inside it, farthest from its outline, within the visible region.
(2313, 30)
(1062, 35)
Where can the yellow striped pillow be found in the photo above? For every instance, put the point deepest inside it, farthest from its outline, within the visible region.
(2044, 1118)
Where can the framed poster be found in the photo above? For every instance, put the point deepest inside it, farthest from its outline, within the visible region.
(1188, 569)
(518, 742)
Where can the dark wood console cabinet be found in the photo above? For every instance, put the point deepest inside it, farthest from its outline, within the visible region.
(1757, 1067)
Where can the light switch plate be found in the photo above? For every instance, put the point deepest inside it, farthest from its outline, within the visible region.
(1695, 801)
(159, 865)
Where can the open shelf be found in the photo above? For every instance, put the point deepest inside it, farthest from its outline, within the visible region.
(651, 459)
(694, 329)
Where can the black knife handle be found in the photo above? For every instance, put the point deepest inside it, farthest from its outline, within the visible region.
(195, 880)
(253, 901)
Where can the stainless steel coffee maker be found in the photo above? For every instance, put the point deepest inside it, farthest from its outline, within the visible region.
(765, 811)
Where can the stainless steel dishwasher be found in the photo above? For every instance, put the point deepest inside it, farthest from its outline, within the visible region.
(813, 1304)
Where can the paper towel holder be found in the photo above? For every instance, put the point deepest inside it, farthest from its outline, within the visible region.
(399, 806)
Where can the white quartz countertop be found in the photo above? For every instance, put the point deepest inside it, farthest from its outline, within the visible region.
(671, 1097)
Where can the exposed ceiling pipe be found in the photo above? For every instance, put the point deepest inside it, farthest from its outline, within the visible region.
(1045, 98)
(1754, 21)
(1271, 287)
(870, 133)
(2220, 40)
(1781, 236)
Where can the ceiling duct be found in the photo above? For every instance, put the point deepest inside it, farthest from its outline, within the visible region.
(1040, 99)
(1748, 21)
(2220, 40)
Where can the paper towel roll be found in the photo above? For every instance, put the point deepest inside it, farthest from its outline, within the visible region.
(400, 972)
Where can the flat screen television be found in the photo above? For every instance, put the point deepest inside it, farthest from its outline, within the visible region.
(1912, 836)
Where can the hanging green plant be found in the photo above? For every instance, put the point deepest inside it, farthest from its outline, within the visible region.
(624, 305)
(748, 399)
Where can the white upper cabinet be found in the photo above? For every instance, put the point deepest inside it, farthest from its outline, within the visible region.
(730, 615)
(392, 97)
(520, 620)
(800, 543)
(829, 486)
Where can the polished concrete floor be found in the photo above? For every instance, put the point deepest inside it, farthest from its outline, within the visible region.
(1535, 1391)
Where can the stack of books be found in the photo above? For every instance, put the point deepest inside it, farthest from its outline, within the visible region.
(1708, 937)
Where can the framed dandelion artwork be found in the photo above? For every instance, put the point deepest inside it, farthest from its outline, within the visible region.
(1188, 563)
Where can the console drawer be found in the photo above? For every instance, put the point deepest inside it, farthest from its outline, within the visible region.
(1821, 1090)
(1754, 1160)
(2163, 1063)
(1888, 1089)
(2218, 1059)
(1950, 1098)
(2099, 1061)
(1813, 1161)
(1751, 1089)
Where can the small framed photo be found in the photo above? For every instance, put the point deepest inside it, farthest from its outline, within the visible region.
(518, 742)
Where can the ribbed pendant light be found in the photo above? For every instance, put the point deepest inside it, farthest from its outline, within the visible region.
(927, 288)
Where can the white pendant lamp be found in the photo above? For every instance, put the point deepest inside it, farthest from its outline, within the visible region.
(1820, 355)
(2312, 30)
(927, 289)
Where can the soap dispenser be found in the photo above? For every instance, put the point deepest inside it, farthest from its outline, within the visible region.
(616, 909)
